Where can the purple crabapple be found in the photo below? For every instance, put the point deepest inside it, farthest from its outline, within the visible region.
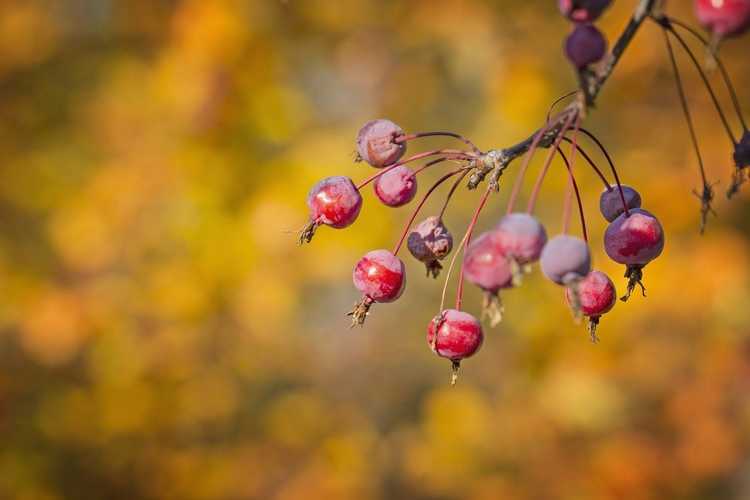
(635, 241)
(381, 277)
(585, 46)
(583, 11)
(565, 259)
(335, 202)
(486, 266)
(429, 242)
(455, 335)
(520, 237)
(377, 145)
(396, 187)
(596, 296)
(610, 202)
(742, 151)
(723, 18)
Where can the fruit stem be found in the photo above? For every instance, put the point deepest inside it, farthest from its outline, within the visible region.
(360, 311)
(559, 100)
(634, 274)
(467, 240)
(426, 196)
(540, 179)
(419, 135)
(593, 323)
(450, 154)
(722, 69)
(450, 193)
(707, 195)
(665, 24)
(492, 308)
(591, 163)
(455, 368)
(606, 154)
(573, 187)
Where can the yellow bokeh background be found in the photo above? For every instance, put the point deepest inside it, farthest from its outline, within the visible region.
(162, 335)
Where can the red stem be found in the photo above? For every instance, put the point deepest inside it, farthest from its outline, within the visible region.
(578, 197)
(611, 166)
(418, 135)
(450, 193)
(591, 163)
(547, 162)
(456, 154)
(467, 237)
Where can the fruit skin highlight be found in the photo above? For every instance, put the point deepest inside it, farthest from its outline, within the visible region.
(723, 18)
(396, 187)
(596, 295)
(455, 335)
(634, 240)
(583, 11)
(380, 276)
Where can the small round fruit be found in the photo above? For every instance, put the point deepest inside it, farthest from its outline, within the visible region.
(455, 335)
(429, 242)
(565, 259)
(377, 145)
(485, 264)
(742, 151)
(334, 201)
(521, 237)
(724, 18)
(610, 201)
(380, 276)
(634, 240)
(396, 187)
(583, 11)
(596, 294)
(585, 46)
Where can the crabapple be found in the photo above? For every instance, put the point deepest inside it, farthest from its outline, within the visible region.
(429, 242)
(381, 277)
(521, 238)
(377, 145)
(596, 296)
(585, 45)
(634, 240)
(335, 202)
(610, 202)
(486, 266)
(396, 187)
(455, 335)
(742, 151)
(723, 18)
(583, 11)
(565, 259)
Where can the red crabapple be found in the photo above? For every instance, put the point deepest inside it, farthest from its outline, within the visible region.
(377, 145)
(585, 46)
(610, 202)
(486, 266)
(583, 11)
(335, 202)
(724, 18)
(381, 277)
(455, 335)
(635, 241)
(429, 242)
(596, 296)
(521, 238)
(396, 187)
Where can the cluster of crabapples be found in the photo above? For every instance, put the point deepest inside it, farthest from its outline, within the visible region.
(497, 259)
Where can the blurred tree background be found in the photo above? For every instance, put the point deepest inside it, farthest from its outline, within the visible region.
(164, 337)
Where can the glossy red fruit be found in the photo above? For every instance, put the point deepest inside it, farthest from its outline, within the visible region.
(583, 11)
(381, 277)
(594, 296)
(377, 145)
(455, 335)
(565, 259)
(429, 242)
(724, 17)
(335, 202)
(586, 45)
(486, 266)
(396, 187)
(521, 237)
(610, 201)
(634, 240)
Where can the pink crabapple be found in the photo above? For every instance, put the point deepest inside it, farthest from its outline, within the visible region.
(396, 187)
(583, 11)
(455, 335)
(634, 240)
(487, 267)
(377, 144)
(566, 260)
(610, 202)
(585, 46)
(381, 277)
(723, 18)
(520, 237)
(596, 296)
(429, 242)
